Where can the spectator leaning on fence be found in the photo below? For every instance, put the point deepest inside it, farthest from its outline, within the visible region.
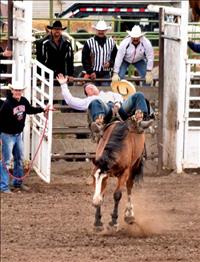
(135, 49)
(98, 54)
(194, 46)
(12, 118)
(55, 52)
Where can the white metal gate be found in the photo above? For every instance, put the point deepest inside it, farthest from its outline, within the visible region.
(42, 94)
(5, 76)
(22, 46)
(191, 152)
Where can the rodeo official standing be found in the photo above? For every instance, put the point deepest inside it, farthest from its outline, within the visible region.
(98, 54)
(137, 50)
(12, 120)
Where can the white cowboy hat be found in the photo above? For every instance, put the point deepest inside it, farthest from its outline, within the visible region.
(17, 85)
(135, 32)
(123, 87)
(101, 25)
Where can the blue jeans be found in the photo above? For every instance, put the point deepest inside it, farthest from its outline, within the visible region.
(98, 107)
(133, 103)
(141, 67)
(11, 145)
(128, 108)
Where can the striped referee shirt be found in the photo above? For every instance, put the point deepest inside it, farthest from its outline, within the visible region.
(99, 51)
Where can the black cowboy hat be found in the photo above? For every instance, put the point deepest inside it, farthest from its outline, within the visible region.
(56, 25)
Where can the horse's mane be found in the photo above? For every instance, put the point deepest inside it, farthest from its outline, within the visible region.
(114, 145)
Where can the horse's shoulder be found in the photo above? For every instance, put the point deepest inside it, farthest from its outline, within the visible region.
(112, 123)
(110, 126)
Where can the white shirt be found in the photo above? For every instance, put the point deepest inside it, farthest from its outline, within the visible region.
(83, 103)
(131, 54)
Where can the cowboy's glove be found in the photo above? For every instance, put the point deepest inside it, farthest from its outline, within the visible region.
(116, 107)
(149, 77)
(115, 77)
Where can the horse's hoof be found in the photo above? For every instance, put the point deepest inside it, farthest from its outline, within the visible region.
(98, 228)
(112, 227)
(129, 220)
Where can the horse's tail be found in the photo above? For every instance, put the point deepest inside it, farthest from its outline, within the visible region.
(138, 171)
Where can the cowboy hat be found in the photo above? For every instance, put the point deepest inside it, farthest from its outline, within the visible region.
(56, 25)
(135, 32)
(101, 25)
(16, 85)
(123, 87)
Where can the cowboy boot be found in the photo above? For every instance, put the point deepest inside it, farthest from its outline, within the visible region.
(97, 128)
(139, 123)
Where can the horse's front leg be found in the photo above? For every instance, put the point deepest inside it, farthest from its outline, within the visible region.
(129, 217)
(100, 181)
(117, 196)
(97, 223)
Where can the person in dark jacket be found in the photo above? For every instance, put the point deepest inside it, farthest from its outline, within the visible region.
(12, 121)
(55, 52)
(98, 54)
(194, 46)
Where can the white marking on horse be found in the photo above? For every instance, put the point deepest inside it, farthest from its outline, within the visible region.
(98, 197)
(129, 208)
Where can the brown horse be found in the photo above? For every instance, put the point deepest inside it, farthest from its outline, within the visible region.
(119, 154)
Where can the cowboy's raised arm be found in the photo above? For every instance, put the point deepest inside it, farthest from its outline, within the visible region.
(62, 79)
(74, 102)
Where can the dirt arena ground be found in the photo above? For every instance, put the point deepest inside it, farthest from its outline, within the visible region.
(54, 222)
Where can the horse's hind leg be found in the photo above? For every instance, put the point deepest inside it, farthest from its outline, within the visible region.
(114, 215)
(117, 196)
(129, 217)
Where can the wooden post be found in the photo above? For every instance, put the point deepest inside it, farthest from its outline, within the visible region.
(51, 11)
(10, 24)
(161, 90)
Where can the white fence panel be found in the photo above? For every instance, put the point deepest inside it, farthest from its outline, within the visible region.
(191, 158)
(42, 94)
(10, 75)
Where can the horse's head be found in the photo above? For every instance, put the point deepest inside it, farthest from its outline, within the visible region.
(99, 185)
